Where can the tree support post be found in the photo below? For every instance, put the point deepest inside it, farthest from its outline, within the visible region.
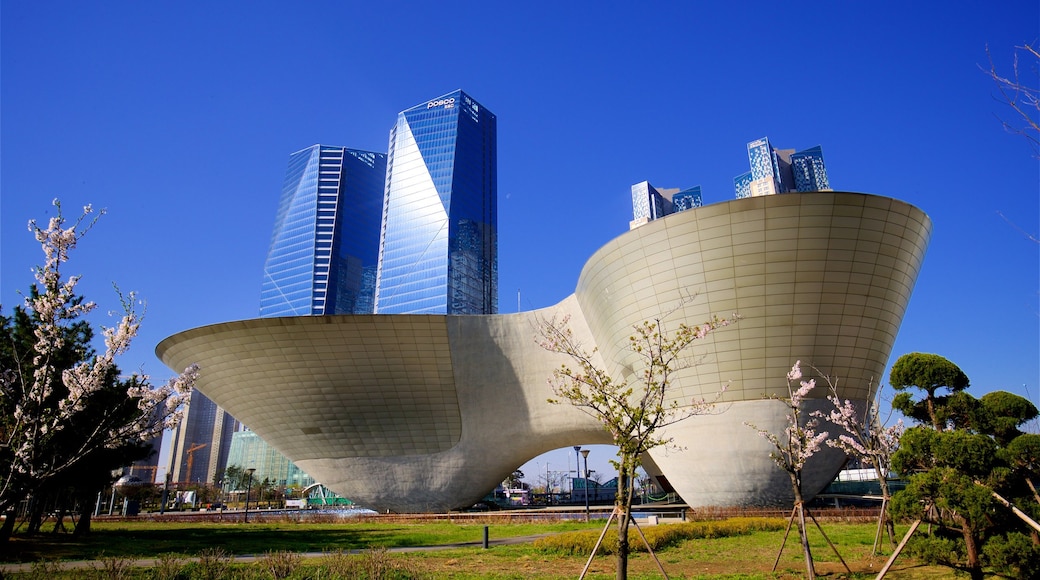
(603, 534)
(899, 548)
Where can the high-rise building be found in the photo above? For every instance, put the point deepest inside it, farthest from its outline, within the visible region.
(322, 260)
(809, 172)
(438, 244)
(650, 203)
(201, 442)
(781, 170)
(325, 246)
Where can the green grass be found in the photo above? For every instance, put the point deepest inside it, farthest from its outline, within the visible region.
(747, 556)
(148, 539)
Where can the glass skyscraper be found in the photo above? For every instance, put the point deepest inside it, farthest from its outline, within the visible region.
(781, 170)
(438, 244)
(324, 249)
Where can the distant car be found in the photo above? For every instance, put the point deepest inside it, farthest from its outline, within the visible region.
(215, 506)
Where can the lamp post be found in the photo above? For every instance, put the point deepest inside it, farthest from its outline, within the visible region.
(577, 468)
(248, 486)
(585, 454)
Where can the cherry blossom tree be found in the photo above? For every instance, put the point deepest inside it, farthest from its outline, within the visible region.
(52, 382)
(795, 446)
(863, 435)
(632, 410)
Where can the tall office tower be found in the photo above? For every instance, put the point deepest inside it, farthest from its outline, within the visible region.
(776, 171)
(322, 258)
(650, 203)
(438, 245)
(325, 246)
(201, 442)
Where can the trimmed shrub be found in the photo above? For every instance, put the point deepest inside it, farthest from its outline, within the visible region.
(659, 536)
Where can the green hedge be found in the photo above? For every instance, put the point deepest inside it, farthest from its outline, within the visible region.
(659, 536)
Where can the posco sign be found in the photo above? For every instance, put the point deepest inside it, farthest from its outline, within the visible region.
(446, 103)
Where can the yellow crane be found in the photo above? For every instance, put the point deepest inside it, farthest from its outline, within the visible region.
(191, 458)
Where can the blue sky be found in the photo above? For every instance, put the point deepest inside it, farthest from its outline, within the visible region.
(178, 117)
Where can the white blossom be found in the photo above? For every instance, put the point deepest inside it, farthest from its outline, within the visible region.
(36, 418)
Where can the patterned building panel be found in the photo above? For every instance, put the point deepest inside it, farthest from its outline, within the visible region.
(454, 403)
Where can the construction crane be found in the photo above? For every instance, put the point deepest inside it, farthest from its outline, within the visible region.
(138, 470)
(191, 458)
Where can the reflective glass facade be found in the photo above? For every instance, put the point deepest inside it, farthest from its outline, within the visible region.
(248, 450)
(438, 244)
(324, 249)
(781, 170)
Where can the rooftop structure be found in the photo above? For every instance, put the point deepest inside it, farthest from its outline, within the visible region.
(650, 203)
(776, 171)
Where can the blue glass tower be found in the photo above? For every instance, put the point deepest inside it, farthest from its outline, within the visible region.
(438, 246)
(324, 249)
(781, 170)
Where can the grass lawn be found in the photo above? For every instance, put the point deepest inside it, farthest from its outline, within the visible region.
(114, 545)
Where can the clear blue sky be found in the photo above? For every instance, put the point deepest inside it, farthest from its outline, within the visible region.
(178, 117)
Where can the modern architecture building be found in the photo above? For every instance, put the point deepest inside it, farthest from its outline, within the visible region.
(325, 246)
(438, 244)
(451, 405)
(322, 260)
(201, 442)
(776, 171)
(650, 203)
(248, 450)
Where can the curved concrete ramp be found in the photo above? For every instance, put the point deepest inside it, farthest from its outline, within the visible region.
(428, 413)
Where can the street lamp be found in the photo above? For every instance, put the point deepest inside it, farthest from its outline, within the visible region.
(577, 468)
(585, 454)
(248, 486)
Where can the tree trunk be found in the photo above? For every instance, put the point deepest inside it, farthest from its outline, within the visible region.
(35, 520)
(971, 548)
(930, 405)
(810, 569)
(886, 496)
(85, 512)
(8, 528)
(624, 504)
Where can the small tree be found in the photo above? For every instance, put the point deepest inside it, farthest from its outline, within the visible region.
(966, 466)
(795, 446)
(928, 373)
(632, 410)
(65, 407)
(865, 436)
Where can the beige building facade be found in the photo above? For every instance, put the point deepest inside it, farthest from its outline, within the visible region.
(430, 412)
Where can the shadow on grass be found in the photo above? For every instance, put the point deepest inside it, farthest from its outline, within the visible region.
(190, 541)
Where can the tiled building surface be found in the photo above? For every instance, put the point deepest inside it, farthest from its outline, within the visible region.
(430, 412)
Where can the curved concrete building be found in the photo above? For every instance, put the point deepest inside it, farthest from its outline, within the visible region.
(429, 412)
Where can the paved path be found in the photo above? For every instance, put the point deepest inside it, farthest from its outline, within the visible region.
(249, 558)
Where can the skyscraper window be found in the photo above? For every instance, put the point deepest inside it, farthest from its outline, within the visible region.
(438, 244)
(324, 248)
